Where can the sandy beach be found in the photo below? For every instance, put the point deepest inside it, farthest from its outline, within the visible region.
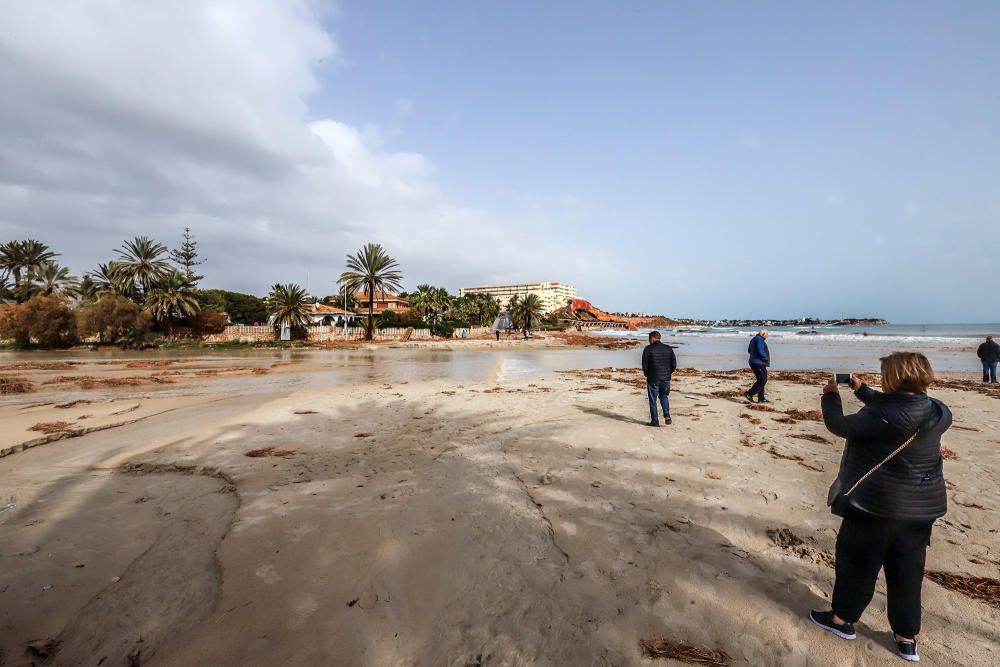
(198, 511)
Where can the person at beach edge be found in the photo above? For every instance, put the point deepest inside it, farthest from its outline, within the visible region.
(889, 492)
(658, 364)
(989, 354)
(760, 359)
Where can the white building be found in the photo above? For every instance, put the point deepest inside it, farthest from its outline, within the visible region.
(552, 294)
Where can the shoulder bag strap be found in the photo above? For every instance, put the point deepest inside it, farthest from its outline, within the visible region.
(883, 462)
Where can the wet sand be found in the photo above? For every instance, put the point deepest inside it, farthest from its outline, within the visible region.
(494, 521)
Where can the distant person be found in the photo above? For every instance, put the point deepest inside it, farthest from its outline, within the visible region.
(497, 332)
(989, 354)
(658, 364)
(760, 359)
(889, 491)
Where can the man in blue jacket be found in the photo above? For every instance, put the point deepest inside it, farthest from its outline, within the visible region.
(658, 364)
(760, 359)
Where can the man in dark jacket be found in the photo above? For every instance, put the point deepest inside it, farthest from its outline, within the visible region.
(658, 364)
(760, 359)
(989, 354)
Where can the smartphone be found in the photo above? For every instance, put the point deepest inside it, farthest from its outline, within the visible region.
(842, 378)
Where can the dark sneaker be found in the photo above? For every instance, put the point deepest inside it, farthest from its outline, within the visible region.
(748, 396)
(763, 400)
(907, 649)
(824, 619)
(667, 420)
(652, 424)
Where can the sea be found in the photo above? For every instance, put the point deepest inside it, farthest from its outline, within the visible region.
(950, 347)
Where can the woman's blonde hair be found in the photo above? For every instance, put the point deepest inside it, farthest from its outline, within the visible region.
(906, 371)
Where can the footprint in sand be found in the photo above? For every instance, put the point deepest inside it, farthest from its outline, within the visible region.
(268, 573)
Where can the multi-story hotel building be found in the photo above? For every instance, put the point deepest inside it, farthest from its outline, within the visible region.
(552, 294)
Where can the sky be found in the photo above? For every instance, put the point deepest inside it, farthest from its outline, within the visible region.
(708, 160)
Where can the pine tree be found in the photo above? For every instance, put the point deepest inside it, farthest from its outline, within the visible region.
(186, 257)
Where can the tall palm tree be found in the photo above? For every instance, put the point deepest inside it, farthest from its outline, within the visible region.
(528, 308)
(289, 305)
(372, 270)
(50, 279)
(142, 263)
(19, 258)
(172, 297)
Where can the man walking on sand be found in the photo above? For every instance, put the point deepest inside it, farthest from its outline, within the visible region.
(658, 364)
(760, 359)
(989, 354)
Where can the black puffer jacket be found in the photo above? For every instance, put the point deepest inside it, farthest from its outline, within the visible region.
(658, 362)
(911, 485)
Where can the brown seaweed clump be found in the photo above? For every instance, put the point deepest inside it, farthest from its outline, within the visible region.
(948, 454)
(15, 385)
(983, 589)
(688, 653)
(49, 428)
(805, 415)
(269, 451)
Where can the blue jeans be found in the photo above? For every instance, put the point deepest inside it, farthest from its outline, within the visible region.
(760, 373)
(658, 389)
(990, 372)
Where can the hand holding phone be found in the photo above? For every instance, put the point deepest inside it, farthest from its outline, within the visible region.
(843, 378)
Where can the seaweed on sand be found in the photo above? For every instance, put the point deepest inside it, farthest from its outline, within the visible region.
(805, 415)
(15, 385)
(689, 653)
(269, 451)
(49, 428)
(984, 589)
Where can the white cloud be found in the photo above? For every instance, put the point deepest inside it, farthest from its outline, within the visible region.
(121, 118)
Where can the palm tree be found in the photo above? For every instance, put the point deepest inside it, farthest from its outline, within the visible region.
(19, 258)
(289, 305)
(107, 279)
(527, 308)
(172, 297)
(432, 302)
(50, 279)
(140, 264)
(371, 269)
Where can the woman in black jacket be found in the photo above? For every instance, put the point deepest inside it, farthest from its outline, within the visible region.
(887, 518)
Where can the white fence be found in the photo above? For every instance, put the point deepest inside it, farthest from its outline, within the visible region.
(470, 332)
(320, 334)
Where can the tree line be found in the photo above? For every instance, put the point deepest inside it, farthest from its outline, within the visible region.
(148, 290)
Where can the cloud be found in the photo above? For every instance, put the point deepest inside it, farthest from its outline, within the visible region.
(123, 118)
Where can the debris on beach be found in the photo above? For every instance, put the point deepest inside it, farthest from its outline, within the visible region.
(73, 404)
(15, 385)
(688, 653)
(305, 412)
(39, 366)
(750, 418)
(726, 393)
(269, 451)
(363, 435)
(795, 545)
(805, 415)
(983, 589)
(48, 428)
(948, 454)
(811, 437)
(761, 408)
(92, 382)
